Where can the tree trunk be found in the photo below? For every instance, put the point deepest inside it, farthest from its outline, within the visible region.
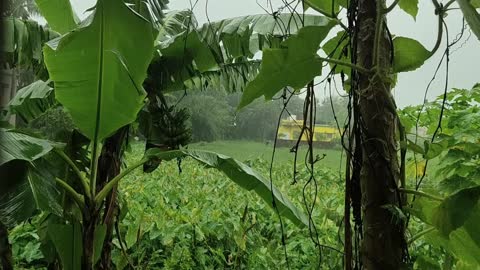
(383, 244)
(6, 260)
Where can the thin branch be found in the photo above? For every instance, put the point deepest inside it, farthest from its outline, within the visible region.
(346, 64)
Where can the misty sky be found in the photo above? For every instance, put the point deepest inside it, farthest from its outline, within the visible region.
(410, 89)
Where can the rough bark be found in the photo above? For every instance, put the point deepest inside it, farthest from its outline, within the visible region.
(383, 234)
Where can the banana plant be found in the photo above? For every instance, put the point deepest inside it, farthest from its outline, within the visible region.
(97, 78)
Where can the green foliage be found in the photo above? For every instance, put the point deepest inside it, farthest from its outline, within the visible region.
(22, 43)
(471, 15)
(68, 242)
(455, 217)
(196, 219)
(185, 51)
(59, 14)
(410, 7)
(19, 146)
(409, 54)
(32, 100)
(28, 184)
(242, 175)
(294, 64)
(102, 85)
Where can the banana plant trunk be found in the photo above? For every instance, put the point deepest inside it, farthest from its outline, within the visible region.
(90, 219)
(383, 244)
(109, 166)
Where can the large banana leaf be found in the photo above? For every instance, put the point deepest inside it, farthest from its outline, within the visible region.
(98, 69)
(22, 42)
(242, 175)
(32, 100)
(229, 77)
(26, 183)
(59, 14)
(19, 146)
(227, 42)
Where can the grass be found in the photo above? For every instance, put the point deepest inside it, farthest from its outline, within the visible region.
(248, 150)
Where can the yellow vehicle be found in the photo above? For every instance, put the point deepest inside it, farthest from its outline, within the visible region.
(323, 135)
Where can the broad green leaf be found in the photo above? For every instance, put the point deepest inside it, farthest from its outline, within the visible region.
(59, 14)
(471, 15)
(26, 187)
(464, 242)
(67, 239)
(475, 3)
(242, 175)
(32, 100)
(432, 150)
(19, 146)
(98, 69)
(294, 64)
(410, 7)
(409, 54)
(455, 210)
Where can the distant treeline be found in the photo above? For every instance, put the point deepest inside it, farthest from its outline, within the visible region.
(213, 115)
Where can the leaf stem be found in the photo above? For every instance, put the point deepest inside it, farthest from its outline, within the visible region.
(347, 64)
(108, 187)
(83, 179)
(93, 168)
(392, 6)
(420, 234)
(79, 199)
(421, 193)
(448, 4)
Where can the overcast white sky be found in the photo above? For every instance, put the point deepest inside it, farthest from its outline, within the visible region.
(464, 62)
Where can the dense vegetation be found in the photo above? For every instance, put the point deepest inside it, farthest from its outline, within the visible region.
(111, 155)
